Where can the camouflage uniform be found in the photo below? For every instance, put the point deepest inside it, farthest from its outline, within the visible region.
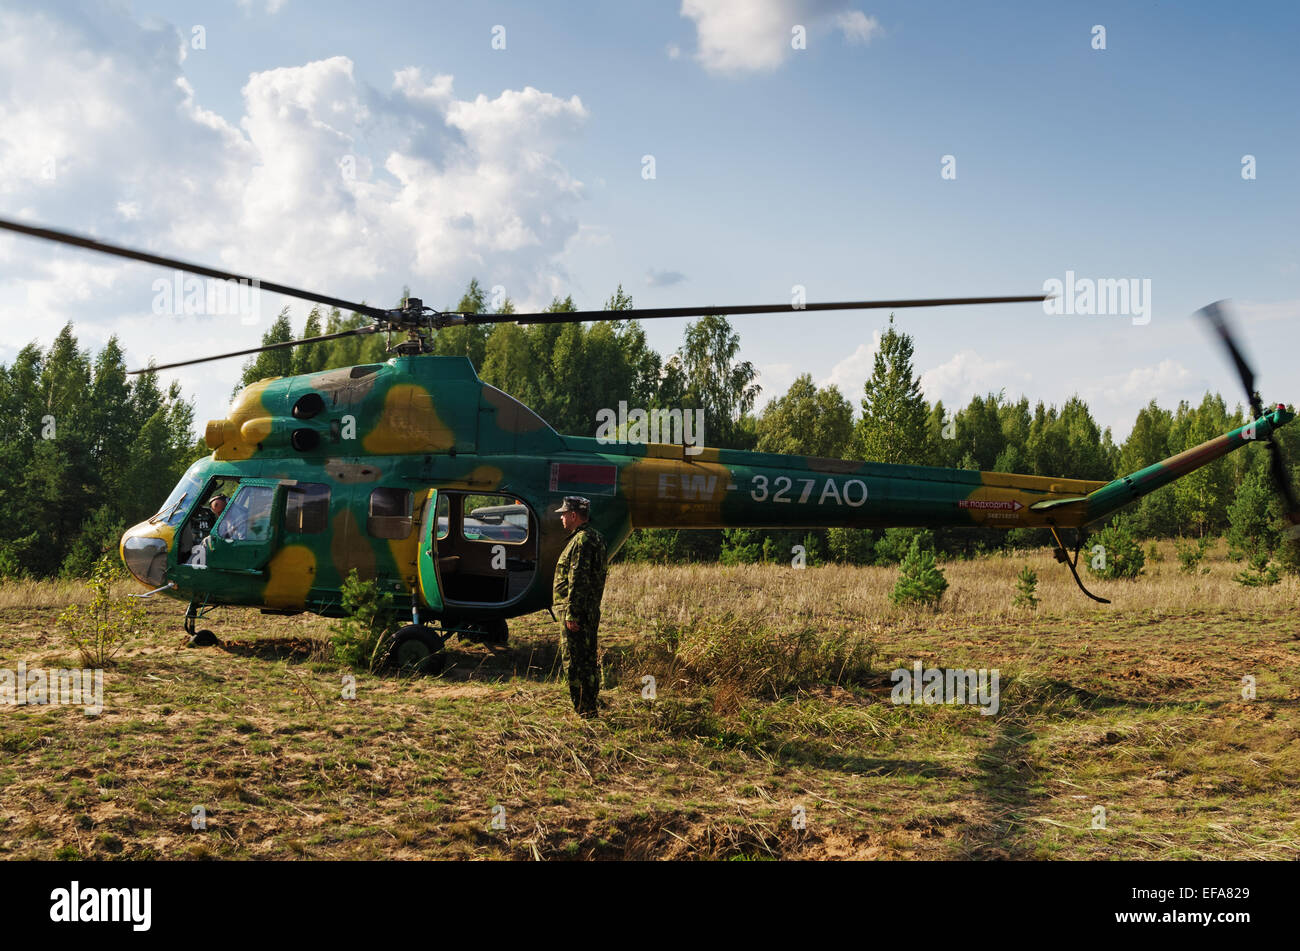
(579, 584)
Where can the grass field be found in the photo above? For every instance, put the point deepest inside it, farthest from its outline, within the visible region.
(773, 701)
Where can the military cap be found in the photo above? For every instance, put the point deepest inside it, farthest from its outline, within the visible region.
(575, 503)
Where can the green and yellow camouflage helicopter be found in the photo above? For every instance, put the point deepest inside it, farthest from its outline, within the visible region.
(418, 475)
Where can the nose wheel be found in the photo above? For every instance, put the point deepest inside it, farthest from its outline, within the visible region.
(193, 614)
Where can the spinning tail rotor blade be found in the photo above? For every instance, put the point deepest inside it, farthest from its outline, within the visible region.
(1216, 315)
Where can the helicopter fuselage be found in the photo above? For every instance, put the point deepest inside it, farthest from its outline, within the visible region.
(442, 489)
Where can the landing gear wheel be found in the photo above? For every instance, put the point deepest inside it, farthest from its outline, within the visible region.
(203, 639)
(496, 632)
(417, 649)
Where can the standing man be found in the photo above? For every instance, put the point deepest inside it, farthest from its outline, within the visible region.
(579, 585)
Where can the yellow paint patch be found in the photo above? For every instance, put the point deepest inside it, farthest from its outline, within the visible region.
(484, 477)
(665, 493)
(1045, 484)
(255, 430)
(292, 573)
(404, 552)
(409, 423)
(247, 406)
(992, 503)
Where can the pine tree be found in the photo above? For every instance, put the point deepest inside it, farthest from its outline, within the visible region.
(271, 363)
(310, 357)
(1026, 589)
(892, 427)
(109, 411)
(920, 581)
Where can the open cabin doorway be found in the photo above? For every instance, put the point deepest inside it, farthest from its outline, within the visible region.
(484, 546)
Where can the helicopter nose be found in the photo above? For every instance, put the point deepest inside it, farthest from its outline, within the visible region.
(144, 552)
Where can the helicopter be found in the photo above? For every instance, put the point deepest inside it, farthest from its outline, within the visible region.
(439, 487)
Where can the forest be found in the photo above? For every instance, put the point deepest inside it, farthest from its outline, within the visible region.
(86, 451)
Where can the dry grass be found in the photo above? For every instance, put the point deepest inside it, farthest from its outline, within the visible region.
(980, 588)
(774, 695)
(26, 593)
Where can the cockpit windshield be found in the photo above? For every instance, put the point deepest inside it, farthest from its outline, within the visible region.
(182, 497)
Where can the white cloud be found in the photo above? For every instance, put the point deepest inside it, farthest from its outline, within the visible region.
(967, 375)
(739, 36)
(775, 379)
(322, 182)
(851, 373)
(272, 6)
(857, 27)
(1143, 384)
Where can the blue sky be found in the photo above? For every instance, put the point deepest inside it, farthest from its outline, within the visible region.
(773, 167)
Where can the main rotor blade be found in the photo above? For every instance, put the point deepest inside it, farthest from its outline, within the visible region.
(577, 316)
(63, 237)
(271, 346)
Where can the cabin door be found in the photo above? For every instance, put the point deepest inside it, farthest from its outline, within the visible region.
(428, 562)
(244, 537)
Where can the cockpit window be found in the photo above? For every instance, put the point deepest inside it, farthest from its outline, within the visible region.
(182, 497)
(248, 516)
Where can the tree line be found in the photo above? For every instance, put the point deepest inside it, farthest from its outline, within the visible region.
(85, 452)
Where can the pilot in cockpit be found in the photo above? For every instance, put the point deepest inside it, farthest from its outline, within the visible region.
(203, 521)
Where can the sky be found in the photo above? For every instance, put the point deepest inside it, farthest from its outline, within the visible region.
(712, 152)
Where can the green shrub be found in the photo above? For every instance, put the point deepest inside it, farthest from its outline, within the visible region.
(896, 542)
(99, 536)
(1120, 554)
(812, 547)
(1254, 516)
(1027, 588)
(1021, 539)
(100, 628)
(920, 582)
(361, 639)
(740, 546)
(850, 546)
(1189, 556)
(1260, 573)
(660, 546)
(10, 566)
